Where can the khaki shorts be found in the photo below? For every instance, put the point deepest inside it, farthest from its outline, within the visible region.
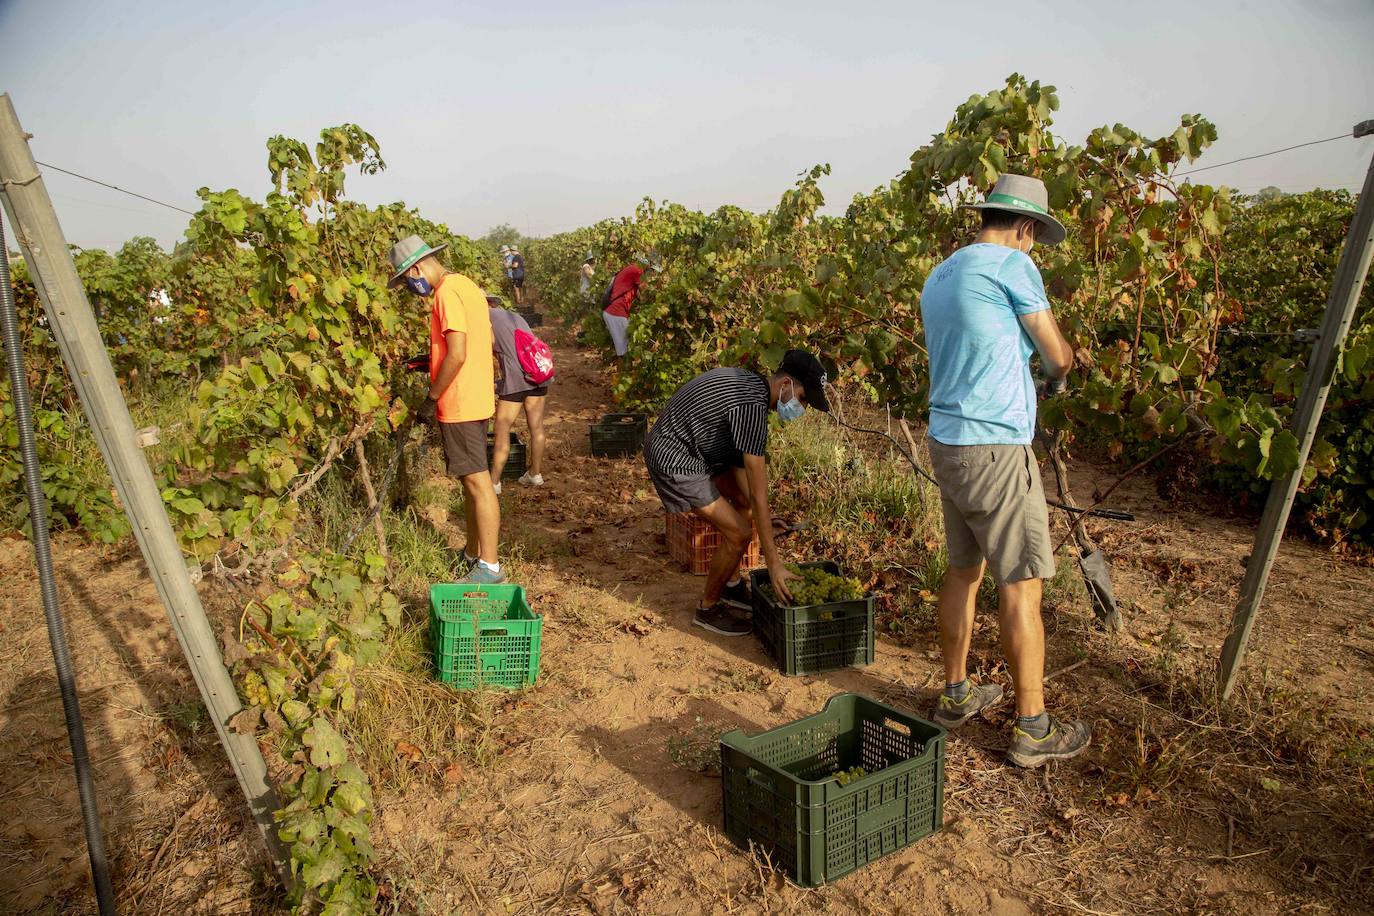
(994, 506)
(465, 447)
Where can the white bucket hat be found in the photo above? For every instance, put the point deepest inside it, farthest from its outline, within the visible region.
(406, 253)
(1026, 195)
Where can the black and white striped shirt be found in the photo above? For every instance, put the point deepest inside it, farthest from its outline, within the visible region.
(710, 423)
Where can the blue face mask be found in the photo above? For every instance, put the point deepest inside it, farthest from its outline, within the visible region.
(791, 409)
(419, 286)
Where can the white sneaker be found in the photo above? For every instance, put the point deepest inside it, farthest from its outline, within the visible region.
(532, 480)
(497, 487)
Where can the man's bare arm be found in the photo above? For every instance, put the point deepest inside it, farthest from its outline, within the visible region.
(1055, 353)
(757, 472)
(453, 361)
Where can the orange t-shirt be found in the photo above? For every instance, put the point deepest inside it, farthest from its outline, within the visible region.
(458, 305)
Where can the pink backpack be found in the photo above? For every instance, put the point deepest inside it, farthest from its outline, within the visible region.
(536, 360)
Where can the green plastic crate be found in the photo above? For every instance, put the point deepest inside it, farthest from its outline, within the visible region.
(484, 635)
(781, 796)
(618, 435)
(813, 638)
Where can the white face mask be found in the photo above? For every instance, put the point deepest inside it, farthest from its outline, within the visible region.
(790, 409)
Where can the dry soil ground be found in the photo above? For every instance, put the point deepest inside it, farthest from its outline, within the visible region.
(585, 797)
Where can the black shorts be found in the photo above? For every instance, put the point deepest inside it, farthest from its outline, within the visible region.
(519, 282)
(518, 397)
(465, 447)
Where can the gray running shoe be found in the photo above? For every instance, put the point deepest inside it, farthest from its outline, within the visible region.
(719, 619)
(479, 575)
(949, 713)
(464, 565)
(1062, 741)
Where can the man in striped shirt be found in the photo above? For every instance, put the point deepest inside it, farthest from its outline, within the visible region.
(705, 455)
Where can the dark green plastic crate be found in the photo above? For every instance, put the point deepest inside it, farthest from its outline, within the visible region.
(813, 638)
(781, 796)
(484, 635)
(618, 435)
(515, 462)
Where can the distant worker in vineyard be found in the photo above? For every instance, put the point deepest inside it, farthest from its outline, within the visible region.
(507, 253)
(585, 275)
(515, 392)
(619, 299)
(985, 313)
(705, 455)
(462, 394)
(517, 275)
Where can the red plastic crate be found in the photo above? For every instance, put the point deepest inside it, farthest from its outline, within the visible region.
(692, 542)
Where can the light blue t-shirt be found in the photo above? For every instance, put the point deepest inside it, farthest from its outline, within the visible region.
(981, 391)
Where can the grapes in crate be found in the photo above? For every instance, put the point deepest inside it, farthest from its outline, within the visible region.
(814, 585)
(845, 777)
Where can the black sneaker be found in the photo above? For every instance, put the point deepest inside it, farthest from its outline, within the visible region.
(720, 620)
(1062, 741)
(737, 595)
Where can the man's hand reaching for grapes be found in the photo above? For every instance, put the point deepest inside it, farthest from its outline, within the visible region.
(778, 575)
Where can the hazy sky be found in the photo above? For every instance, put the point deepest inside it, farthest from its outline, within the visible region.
(553, 115)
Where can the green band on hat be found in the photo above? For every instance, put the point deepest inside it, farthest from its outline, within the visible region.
(996, 198)
(416, 258)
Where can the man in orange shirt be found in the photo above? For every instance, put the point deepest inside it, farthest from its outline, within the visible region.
(462, 393)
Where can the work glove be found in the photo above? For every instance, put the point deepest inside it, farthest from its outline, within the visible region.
(1049, 387)
(428, 412)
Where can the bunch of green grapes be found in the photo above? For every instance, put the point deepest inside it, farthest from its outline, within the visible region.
(255, 690)
(845, 777)
(814, 585)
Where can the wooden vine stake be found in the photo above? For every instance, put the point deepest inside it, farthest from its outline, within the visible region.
(365, 474)
(1092, 563)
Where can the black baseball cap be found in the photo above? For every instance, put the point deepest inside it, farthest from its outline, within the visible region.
(808, 370)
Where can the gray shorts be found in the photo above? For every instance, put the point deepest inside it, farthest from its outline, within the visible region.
(619, 328)
(681, 492)
(994, 507)
(465, 447)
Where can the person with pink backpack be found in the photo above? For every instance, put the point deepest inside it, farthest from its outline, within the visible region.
(524, 371)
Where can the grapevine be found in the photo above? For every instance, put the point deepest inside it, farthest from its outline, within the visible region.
(319, 368)
(1145, 287)
(278, 313)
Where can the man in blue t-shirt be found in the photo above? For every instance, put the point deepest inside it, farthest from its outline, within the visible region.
(517, 275)
(985, 313)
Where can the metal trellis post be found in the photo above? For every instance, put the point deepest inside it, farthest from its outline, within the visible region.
(1340, 311)
(74, 327)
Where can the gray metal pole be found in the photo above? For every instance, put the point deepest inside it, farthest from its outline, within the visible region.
(74, 326)
(47, 587)
(1340, 311)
